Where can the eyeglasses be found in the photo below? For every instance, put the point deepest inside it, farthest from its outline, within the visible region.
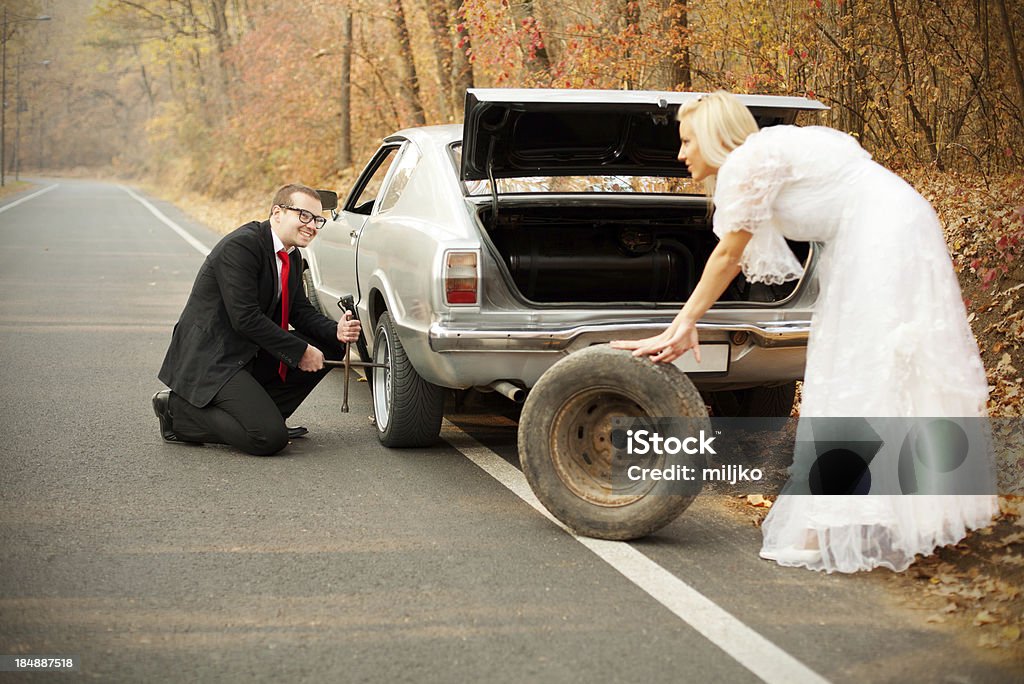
(305, 216)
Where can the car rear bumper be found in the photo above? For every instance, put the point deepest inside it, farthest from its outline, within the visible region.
(758, 353)
(770, 334)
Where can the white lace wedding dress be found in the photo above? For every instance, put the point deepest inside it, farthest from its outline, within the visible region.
(889, 336)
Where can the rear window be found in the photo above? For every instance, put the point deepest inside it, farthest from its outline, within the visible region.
(409, 157)
(578, 184)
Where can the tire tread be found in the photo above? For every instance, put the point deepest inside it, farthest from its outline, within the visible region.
(417, 406)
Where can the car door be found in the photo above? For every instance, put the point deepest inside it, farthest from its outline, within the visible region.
(336, 253)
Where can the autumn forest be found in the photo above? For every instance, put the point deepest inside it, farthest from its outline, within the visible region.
(228, 94)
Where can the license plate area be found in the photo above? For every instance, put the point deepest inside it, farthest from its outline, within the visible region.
(714, 360)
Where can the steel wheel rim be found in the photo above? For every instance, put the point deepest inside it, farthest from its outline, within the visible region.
(382, 381)
(581, 448)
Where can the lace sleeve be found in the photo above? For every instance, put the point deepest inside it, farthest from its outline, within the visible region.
(768, 259)
(747, 186)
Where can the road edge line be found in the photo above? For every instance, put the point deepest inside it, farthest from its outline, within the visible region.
(184, 234)
(37, 193)
(751, 650)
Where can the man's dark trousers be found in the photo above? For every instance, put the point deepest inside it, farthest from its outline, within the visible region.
(250, 410)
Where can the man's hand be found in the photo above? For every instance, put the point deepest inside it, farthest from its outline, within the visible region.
(312, 360)
(348, 328)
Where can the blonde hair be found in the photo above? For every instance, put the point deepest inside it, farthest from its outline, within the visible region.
(720, 124)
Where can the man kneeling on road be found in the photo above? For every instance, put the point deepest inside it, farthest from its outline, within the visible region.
(235, 370)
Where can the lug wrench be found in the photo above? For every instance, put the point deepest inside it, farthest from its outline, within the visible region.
(347, 364)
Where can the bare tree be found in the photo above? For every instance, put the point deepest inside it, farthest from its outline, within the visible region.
(678, 13)
(408, 82)
(1013, 56)
(437, 15)
(908, 87)
(344, 156)
(462, 70)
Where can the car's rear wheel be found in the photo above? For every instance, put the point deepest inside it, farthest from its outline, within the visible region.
(566, 441)
(407, 409)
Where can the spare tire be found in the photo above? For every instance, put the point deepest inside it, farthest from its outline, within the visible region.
(566, 441)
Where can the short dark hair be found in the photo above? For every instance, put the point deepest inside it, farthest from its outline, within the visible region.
(284, 194)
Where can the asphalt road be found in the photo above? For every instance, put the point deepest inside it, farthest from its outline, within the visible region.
(342, 560)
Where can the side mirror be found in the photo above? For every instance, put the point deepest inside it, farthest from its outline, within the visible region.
(329, 199)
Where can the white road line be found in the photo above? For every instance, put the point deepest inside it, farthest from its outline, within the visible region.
(747, 647)
(37, 193)
(185, 235)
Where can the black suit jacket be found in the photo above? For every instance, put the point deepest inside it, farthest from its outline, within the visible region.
(233, 312)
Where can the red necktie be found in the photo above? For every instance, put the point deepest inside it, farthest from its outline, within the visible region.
(282, 370)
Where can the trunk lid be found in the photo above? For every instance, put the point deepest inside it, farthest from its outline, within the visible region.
(510, 133)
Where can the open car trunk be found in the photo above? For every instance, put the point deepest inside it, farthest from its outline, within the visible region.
(572, 250)
(639, 255)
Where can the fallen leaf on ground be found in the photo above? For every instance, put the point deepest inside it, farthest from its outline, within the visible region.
(1010, 560)
(1012, 506)
(1017, 538)
(988, 641)
(985, 617)
(1005, 591)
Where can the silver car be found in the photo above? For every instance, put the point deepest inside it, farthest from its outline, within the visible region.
(478, 255)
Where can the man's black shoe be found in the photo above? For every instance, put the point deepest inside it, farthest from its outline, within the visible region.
(161, 407)
(296, 432)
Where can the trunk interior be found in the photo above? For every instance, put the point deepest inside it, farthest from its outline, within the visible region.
(640, 254)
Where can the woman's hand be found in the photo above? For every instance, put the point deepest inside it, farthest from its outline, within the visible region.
(722, 266)
(679, 338)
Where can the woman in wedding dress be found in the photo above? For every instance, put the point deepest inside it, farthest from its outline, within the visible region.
(889, 336)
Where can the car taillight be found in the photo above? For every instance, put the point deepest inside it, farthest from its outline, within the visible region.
(460, 278)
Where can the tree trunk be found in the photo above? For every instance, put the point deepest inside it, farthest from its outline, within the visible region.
(681, 73)
(1011, 50)
(245, 14)
(908, 90)
(845, 92)
(462, 70)
(222, 43)
(437, 14)
(408, 83)
(344, 158)
(197, 67)
(630, 15)
(147, 86)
